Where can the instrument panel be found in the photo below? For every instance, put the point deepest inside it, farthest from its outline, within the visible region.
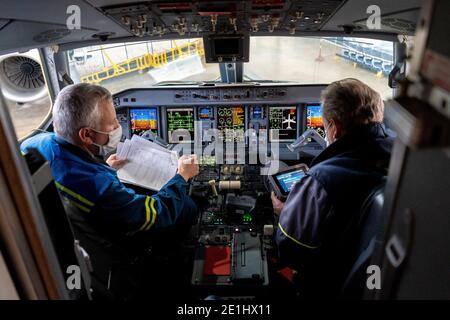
(256, 116)
(233, 244)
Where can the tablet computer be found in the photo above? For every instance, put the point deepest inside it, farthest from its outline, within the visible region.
(283, 181)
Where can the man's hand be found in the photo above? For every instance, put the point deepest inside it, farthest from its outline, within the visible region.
(188, 166)
(277, 204)
(115, 162)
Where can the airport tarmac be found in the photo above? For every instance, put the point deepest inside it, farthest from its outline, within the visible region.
(304, 60)
(28, 116)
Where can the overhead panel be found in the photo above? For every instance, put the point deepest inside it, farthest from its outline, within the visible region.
(158, 18)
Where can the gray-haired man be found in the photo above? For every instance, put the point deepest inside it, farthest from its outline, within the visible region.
(315, 233)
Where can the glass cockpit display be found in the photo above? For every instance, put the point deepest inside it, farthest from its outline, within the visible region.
(283, 123)
(257, 112)
(205, 113)
(206, 117)
(180, 125)
(314, 119)
(231, 123)
(144, 119)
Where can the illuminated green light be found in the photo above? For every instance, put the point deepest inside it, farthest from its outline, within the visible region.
(247, 218)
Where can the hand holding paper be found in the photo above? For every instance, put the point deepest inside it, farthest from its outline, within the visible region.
(114, 162)
(188, 166)
(148, 164)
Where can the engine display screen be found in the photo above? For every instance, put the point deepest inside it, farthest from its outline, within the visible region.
(231, 123)
(314, 119)
(283, 123)
(180, 125)
(143, 119)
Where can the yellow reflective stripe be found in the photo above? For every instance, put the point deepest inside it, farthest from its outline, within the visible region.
(295, 240)
(148, 217)
(147, 214)
(152, 205)
(73, 194)
(79, 206)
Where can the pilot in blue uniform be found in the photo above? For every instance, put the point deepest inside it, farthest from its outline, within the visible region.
(85, 123)
(114, 224)
(92, 186)
(316, 232)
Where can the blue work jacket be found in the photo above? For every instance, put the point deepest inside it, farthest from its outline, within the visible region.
(94, 188)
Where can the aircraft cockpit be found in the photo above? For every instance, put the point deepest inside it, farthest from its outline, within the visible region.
(240, 85)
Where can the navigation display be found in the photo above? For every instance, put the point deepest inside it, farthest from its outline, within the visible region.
(282, 120)
(314, 119)
(143, 119)
(231, 123)
(178, 121)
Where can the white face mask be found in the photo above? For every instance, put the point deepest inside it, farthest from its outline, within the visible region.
(114, 139)
(326, 135)
(327, 141)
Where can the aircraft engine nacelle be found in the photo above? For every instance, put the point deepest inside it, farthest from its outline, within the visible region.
(21, 77)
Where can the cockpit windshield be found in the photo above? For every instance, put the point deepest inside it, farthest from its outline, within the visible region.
(318, 60)
(305, 60)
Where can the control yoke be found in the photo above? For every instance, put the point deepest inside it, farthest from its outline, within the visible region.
(303, 140)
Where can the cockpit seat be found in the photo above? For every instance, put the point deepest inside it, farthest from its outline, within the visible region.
(117, 270)
(69, 252)
(105, 266)
(369, 223)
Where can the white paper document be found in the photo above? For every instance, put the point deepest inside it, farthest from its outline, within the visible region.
(149, 165)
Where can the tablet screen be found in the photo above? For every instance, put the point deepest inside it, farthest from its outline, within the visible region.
(287, 180)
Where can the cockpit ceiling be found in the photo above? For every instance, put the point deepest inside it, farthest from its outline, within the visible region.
(29, 24)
